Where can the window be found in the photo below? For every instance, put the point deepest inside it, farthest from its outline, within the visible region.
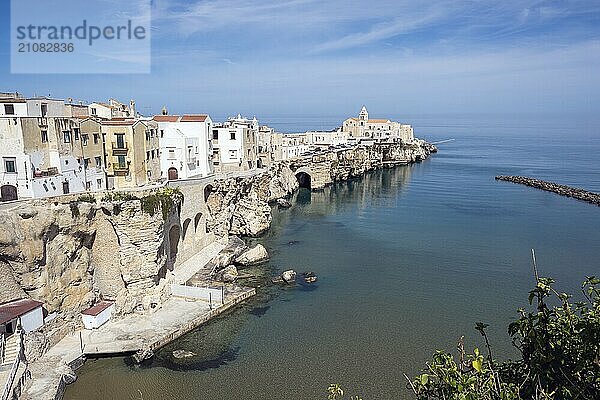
(147, 155)
(99, 183)
(10, 165)
(96, 138)
(44, 109)
(121, 160)
(84, 139)
(76, 131)
(120, 140)
(152, 153)
(98, 160)
(232, 153)
(67, 136)
(147, 135)
(171, 154)
(94, 111)
(162, 133)
(9, 109)
(88, 185)
(232, 135)
(44, 136)
(86, 162)
(215, 134)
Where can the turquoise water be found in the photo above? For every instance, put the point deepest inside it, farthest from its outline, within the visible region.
(408, 260)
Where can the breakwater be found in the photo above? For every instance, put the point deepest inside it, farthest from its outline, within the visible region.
(563, 190)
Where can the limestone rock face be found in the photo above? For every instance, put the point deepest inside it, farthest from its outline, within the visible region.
(107, 266)
(234, 248)
(70, 255)
(255, 255)
(250, 218)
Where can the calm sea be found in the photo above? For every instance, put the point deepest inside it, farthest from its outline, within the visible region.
(408, 261)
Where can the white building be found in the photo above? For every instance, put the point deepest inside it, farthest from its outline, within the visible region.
(112, 109)
(44, 157)
(185, 146)
(290, 145)
(235, 145)
(380, 130)
(97, 315)
(12, 105)
(27, 312)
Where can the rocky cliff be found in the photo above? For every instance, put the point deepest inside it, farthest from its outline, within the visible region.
(70, 252)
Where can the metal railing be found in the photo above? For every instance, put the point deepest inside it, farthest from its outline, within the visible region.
(15, 366)
(120, 167)
(2, 345)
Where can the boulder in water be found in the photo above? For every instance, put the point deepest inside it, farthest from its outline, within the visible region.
(229, 274)
(255, 255)
(183, 354)
(289, 276)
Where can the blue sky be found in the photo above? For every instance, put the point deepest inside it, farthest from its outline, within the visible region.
(297, 57)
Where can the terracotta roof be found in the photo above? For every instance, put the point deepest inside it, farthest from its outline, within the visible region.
(118, 122)
(97, 308)
(194, 118)
(15, 309)
(166, 118)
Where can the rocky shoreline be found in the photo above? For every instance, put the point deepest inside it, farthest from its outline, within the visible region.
(70, 253)
(563, 190)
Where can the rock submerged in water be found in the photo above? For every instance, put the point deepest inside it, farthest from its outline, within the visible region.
(255, 255)
(285, 278)
(229, 274)
(283, 203)
(183, 354)
(309, 277)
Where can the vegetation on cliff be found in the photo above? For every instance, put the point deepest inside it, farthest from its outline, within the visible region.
(559, 350)
(162, 199)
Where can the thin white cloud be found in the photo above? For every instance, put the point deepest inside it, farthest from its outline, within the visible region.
(381, 31)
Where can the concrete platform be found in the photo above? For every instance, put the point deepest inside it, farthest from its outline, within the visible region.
(134, 333)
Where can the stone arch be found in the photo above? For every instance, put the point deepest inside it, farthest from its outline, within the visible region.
(304, 178)
(207, 191)
(174, 236)
(186, 224)
(8, 193)
(197, 221)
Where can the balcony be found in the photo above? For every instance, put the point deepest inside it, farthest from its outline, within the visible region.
(120, 169)
(119, 149)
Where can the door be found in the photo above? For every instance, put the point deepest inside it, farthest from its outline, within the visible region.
(173, 174)
(65, 187)
(8, 193)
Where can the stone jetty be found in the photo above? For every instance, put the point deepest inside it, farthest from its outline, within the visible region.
(563, 190)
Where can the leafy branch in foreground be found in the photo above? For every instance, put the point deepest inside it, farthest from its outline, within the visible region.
(559, 348)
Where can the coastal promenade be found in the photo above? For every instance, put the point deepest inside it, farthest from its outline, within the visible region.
(135, 333)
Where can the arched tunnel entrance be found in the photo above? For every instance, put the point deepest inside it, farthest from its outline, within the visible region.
(304, 180)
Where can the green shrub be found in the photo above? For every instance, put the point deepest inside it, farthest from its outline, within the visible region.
(86, 198)
(559, 354)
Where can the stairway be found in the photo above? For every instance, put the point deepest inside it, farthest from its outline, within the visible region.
(11, 352)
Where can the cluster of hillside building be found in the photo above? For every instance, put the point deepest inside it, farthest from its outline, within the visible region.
(51, 147)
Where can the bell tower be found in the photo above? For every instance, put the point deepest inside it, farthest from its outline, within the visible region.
(364, 114)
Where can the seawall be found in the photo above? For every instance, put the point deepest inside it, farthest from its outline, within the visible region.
(563, 190)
